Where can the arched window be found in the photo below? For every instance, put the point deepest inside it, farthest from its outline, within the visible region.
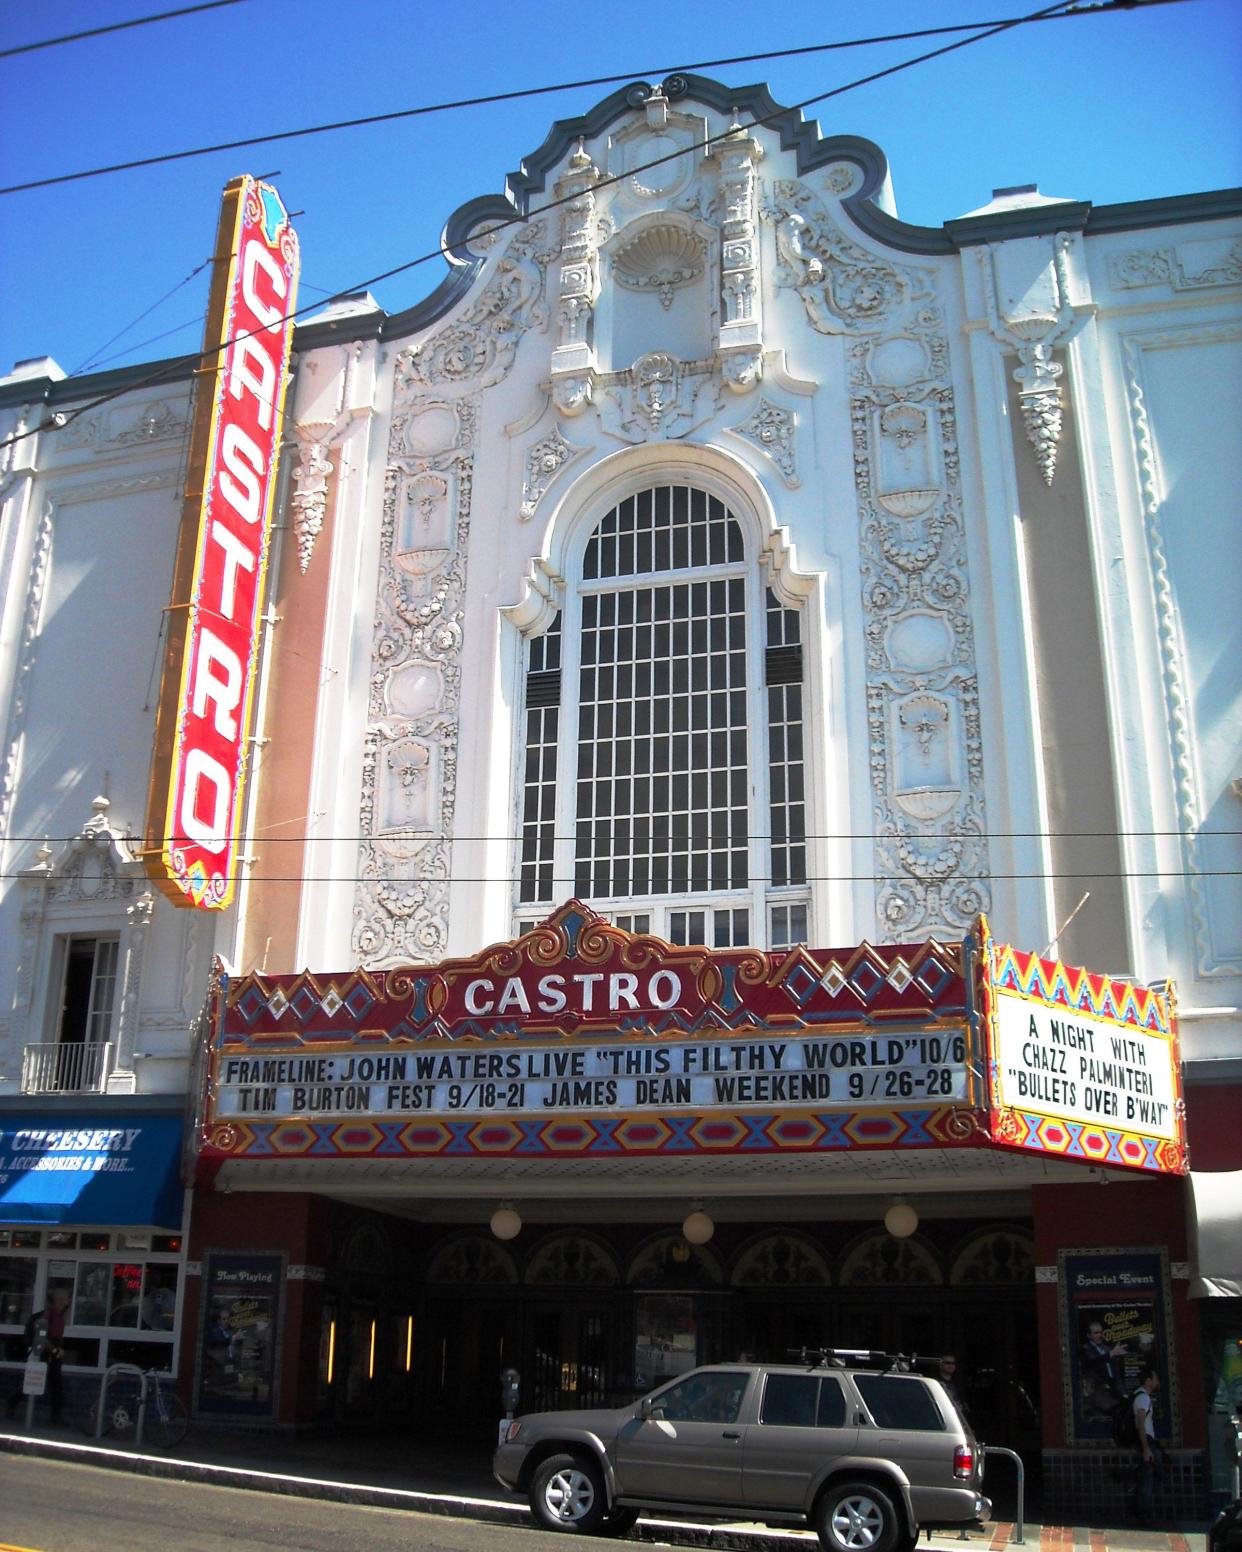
(663, 774)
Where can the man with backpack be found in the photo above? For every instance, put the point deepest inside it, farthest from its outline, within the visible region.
(1151, 1460)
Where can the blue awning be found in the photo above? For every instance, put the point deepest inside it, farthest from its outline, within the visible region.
(93, 1169)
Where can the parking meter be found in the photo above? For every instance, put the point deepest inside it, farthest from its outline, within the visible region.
(510, 1387)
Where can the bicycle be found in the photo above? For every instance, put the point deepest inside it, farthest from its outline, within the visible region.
(122, 1392)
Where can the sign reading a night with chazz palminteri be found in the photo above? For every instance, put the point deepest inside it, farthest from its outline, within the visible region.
(582, 1039)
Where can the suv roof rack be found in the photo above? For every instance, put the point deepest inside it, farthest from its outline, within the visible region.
(856, 1358)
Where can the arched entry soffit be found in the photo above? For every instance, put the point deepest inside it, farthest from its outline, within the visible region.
(786, 1258)
(528, 189)
(572, 1260)
(877, 1259)
(994, 1255)
(618, 475)
(473, 1260)
(668, 1261)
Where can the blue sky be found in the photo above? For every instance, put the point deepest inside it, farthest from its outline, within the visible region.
(1128, 105)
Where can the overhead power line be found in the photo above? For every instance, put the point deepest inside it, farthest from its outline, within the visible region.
(95, 32)
(181, 364)
(264, 837)
(1057, 13)
(569, 880)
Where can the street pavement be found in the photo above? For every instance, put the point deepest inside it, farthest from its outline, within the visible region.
(404, 1473)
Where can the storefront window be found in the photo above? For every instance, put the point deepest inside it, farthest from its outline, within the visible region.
(159, 1297)
(90, 1308)
(135, 1295)
(126, 1294)
(17, 1280)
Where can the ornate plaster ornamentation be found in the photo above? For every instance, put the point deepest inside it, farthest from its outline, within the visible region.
(477, 349)
(741, 327)
(155, 423)
(544, 460)
(129, 425)
(659, 399)
(663, 137)
(323, 423)
(844, 288)
(771, 429)
(841, 179)
(661, 257)
(1208, 912)
(1036, 331)
(926, 753)
(573, 360)
(1189, 266)
(410, 747)
(309, 502)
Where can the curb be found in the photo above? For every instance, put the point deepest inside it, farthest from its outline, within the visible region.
(725, 1538)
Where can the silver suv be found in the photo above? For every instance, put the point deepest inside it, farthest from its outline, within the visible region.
(858, 1446)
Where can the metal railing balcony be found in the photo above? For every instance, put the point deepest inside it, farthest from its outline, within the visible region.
(66, 1067)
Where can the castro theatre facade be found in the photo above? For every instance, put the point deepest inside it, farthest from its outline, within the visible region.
(714, 566)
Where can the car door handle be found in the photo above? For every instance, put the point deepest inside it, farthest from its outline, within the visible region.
(727, 1434)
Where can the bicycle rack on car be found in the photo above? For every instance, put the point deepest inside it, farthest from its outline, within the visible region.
(134, 1372)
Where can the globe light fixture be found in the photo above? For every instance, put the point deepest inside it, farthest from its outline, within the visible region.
(901, 1220)
(697, 1227)
(506, 1222)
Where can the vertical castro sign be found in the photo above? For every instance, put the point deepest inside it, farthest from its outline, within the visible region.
(198, 769)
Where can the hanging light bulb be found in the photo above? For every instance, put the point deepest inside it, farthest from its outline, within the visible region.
(901, 1220)
(506, 1221)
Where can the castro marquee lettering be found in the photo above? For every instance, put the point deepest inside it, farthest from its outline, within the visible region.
(583, 992)
(199, 763)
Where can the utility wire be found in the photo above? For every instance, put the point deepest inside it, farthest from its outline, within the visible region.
(93, 361)
(181, 364)
(542, 91)
(569, 881)
(263, 837)
(95, 32)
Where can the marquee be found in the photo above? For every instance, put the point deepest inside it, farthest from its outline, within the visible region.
(580, 1039)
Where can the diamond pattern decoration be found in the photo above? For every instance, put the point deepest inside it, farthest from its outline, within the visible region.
(357, 1137)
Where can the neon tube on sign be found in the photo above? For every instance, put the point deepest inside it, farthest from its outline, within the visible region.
(217, 602)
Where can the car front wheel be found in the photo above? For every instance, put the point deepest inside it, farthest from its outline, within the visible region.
(567, 1493)
(857, 1517)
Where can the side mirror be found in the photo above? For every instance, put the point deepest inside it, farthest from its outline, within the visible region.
(648, 1409)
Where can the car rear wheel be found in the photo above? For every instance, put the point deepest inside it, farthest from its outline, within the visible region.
(857, 1517)
(567, 1493)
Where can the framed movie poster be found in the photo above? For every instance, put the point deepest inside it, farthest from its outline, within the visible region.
(1115, 1323)
(240, 1330)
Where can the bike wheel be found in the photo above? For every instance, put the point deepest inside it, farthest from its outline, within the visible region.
(166, 1421)
(121, 1410)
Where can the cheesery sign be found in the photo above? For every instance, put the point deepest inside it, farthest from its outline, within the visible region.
(198, 769)
(582, 1039)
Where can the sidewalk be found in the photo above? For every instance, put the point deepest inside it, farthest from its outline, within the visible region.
(429, 1478)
